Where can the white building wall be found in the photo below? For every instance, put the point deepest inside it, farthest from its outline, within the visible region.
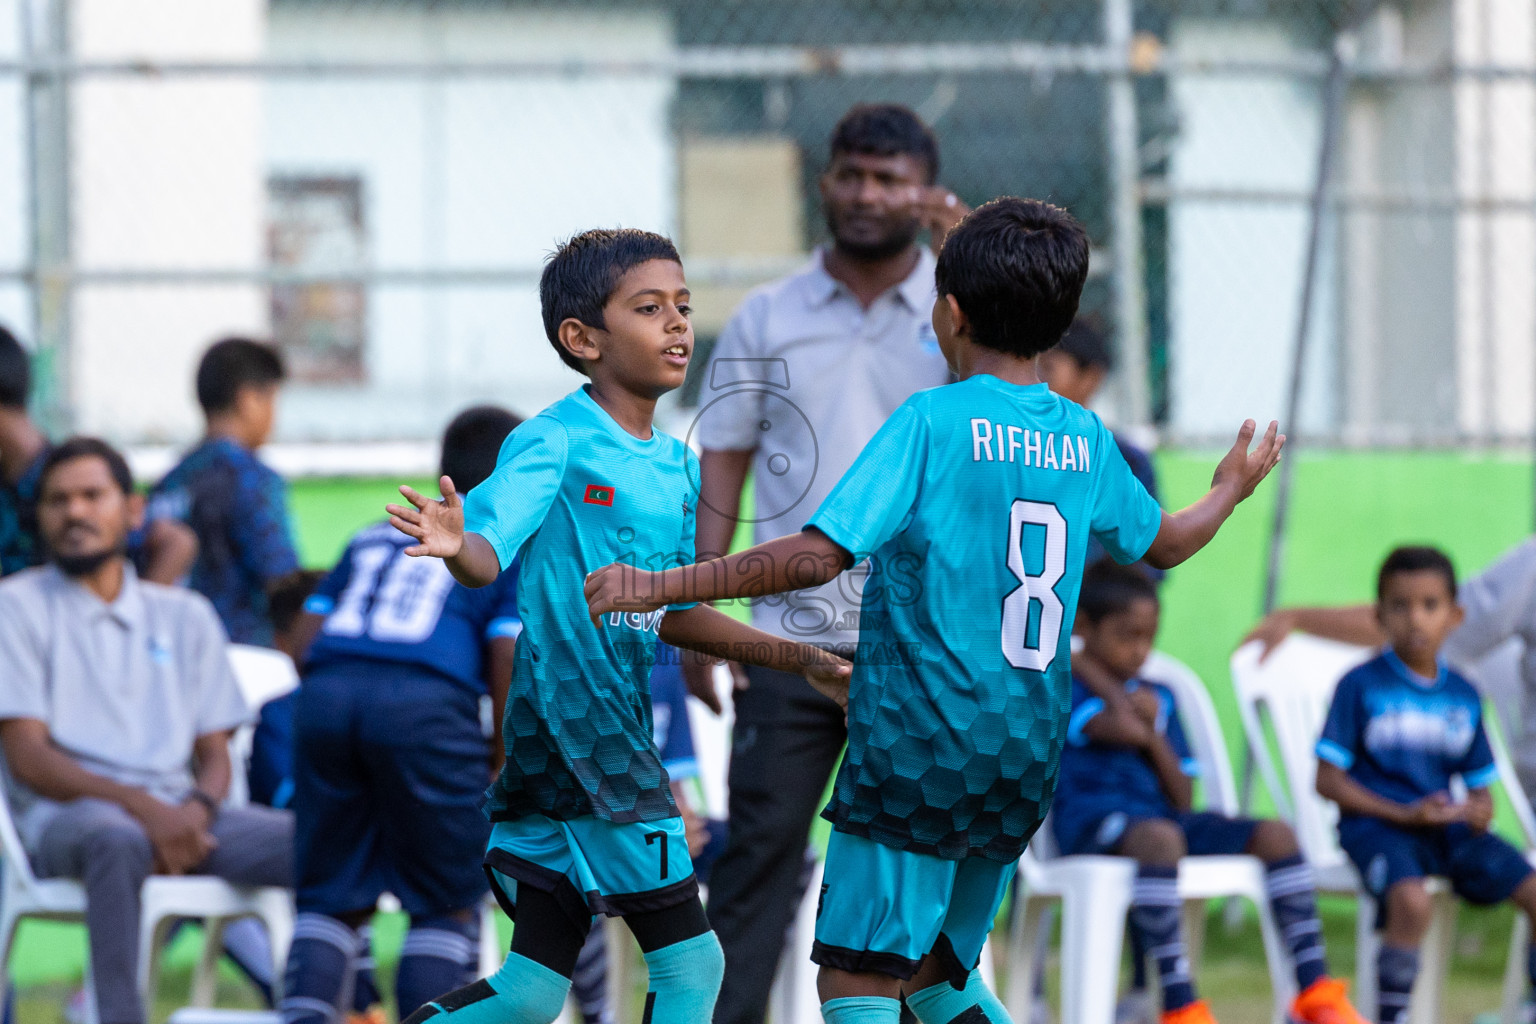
(1235, 272)
(164, 174)
(14, 237)
(466, 173)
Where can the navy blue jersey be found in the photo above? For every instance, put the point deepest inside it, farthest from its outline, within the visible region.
(238, 507)
(381, 604)
(669, 709)
(974, 503)
(20, 547)
(1404, 737)
(572, 492)
(1097, 778)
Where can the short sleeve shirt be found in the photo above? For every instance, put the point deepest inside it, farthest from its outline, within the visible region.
(238, 507)
(124, 688)
(573, 492)
(382, 605)
(804, 375)
(974, 504)
(1404, 737)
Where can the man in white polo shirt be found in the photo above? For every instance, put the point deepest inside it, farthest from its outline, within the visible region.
(804, 374)
(116, 707)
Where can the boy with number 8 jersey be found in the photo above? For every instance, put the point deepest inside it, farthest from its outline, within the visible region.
(973, 504)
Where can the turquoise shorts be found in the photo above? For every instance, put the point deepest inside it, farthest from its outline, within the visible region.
(592, 866)
(882, 910)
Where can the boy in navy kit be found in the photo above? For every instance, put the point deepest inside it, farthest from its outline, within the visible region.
(583, 817)
(974, 504)
(1125, 789)
(1400, 728)
(392, 752)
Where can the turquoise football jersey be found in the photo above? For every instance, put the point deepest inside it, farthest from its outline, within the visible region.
(572, 492)
(974, 504)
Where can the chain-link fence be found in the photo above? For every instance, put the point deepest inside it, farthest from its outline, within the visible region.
(375, 183)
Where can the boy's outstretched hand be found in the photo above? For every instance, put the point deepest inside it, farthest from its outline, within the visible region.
(621, 588)
(1243, 470)
(437, 526)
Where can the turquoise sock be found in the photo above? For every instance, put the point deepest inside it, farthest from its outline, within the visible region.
(861, 1010)
(942, 1004)
(685, 979)
(522, 992)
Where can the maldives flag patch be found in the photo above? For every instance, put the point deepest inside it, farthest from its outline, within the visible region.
(599, 494)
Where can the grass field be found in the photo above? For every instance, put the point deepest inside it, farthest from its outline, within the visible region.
(1348, 510)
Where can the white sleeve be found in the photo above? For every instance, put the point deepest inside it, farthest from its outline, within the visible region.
(1500, 602)
(730, 410)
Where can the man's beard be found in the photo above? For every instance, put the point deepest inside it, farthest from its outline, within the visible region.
(894, 243)
(83, 565)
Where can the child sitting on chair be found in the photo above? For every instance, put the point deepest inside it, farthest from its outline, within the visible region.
(1400, 728)
(1125, 789)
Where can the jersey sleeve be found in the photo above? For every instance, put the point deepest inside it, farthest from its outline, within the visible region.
(1342, 729)
(260, 531)
(1085, 707)
(24, 691)
(731, 422)
(1477, 767)
(1499, 602)
(322, 600)
(873, 501)
(1125, 517)
(505, 620)
(510, 505)
(220, 705)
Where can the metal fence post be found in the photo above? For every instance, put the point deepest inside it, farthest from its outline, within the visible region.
(1125, 216)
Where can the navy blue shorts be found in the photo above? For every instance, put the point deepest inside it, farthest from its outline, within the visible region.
(1206, 833)
(1483, 868)
(390, 770)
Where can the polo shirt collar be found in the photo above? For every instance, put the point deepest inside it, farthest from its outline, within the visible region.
(915, 290)
(127, 610)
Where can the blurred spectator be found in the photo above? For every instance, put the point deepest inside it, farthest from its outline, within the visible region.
(116, 709)
(271, 769)
(404, 686)
(167, 548)
(1500, 608)
(1075, 369)
(235, 503)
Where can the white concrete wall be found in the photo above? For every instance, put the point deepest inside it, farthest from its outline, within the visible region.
(1235, 270)
(1495, 287)
(15, 311)
(466, 173)
(165, 174)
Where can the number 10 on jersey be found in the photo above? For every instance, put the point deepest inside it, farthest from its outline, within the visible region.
(1034, 589)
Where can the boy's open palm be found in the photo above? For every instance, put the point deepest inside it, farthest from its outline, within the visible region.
(1242, 469)
(436, 526)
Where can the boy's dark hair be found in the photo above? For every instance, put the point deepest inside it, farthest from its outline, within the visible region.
(15, 371)
(887, 129)
(1016, 267)
(1087, 344)
(286, 596)
(1416, 558)
(232, 364)
(582, 272)
(1109, 589)
(86, 447)
(472, 442)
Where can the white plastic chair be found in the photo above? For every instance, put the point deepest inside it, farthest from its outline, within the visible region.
(1095, 891)
(1292, 688)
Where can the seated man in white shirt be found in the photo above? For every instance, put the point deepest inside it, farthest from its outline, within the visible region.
(116, 707)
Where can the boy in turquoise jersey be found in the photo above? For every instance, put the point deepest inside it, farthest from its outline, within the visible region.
(583, 817)
(973, 504)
